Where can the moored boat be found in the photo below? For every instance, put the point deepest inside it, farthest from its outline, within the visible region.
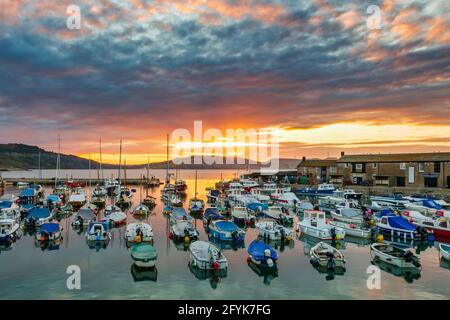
(444, 250)
(352, 229)
(206, 256)
(83, 218)
(271, 230)
(324, 255)
(394, 255)
(225, 230)
(262, 254)
(144, 255)
(314, 224)
(184, 231)
(48, 232)
(349, 215)
(98, 232)
(139, 232)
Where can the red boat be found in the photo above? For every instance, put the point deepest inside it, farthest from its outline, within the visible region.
(440, 228)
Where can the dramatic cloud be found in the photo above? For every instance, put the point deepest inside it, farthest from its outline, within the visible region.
(137, 69)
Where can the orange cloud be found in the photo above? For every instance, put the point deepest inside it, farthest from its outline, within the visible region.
(438, 30)
(349, 19)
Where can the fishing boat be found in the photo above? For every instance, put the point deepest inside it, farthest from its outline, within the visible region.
(179, 214)
(240, 215)
(428, 207)
(48, 232)
(116, 218)
(225, 230)
(304, 205)
(184, 230)
(211, 214)
(322, 189)
(444, 250)
(399, 227)
(348, 215)
(141, 211)
(83, 218)
(37, 217)
(77, 199)
(352, 229)
(206, 256)
(9, 229)
(144, 255)
(314, 224)
(98, 232)
(394, 255)
(212, 195)
(439, 227)
(324, 255)
(139, 232)
(262, 254)
(271, 230)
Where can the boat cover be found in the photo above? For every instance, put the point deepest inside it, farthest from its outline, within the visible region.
(86, 214)
(431, 204)
(211, 213)
(350, 213)
(401, 223)
(27, 193)
(52, 197)
(445, 247)
(5, 204)
(255, 205)
(105, 224)
(49, 227)
(215, 193)
(38, 213)
(256, 250)
(385, 212)
(226, 226)
(144, 251)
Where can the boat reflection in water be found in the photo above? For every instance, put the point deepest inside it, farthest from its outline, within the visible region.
(97, 245)
(279, 245)
(227, 245)
(144, 274)
(49, 245)
(444, 263)
(360, 242)
(409, 274)
(214, 276)
(419, 246)
(268, 274)
(309, 242)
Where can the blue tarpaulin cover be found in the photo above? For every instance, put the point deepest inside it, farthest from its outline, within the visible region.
(52, 197)
(226, 226)
(27, 193)
(255, 205)
(38, 213)
(211, 213)
(256, 250)
(5, 204)
(401, 223)
(431, 204)
(385, 212)
(49, 227)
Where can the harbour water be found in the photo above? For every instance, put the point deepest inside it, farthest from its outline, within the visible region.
(28, 272)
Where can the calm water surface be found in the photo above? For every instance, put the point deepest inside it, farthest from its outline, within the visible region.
(27, 272)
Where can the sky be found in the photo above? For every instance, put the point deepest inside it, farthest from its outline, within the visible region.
(322, 75)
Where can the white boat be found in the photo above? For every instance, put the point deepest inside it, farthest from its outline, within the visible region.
(196, 205)
(277, 213)
(394, 255)
(97, 232)
(8, 230)
(414, 216)
(116, 218)
(141, 210)
(427, 207)
(444, 250)
(352, 229)
(314, 224)
(249, 183)
(206, 256)
(139, 232)
(77, 199)
(184, 230)
(100, 192)
(324, 255)
(48, 232)
(286, 199)
(111, 208)
(241, 215)
(304, 205)
(175, 200)
(144, 255)
(259, 195)
(271, 230)
(83, 217)
(349, 215)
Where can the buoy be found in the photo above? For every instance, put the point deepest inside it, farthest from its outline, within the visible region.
(249, 259)
(170, 235)
(137, 239)
(42, 239)
(186, 239)
(337, 238)
(288, 238)
(380, 238)
(216, 265)
(372, 222)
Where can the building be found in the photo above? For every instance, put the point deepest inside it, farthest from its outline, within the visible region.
(317, 170)
(396, 170)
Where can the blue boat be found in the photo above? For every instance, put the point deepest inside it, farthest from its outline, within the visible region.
(37, 216)
(262, 254)
(211, 214)
(53, 200)
(322, 190)
(48, 232)
(225, 230)
(27, 195)
(257, 207)
(6, 204)
(400, 228)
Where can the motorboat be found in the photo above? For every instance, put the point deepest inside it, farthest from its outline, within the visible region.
(400, 228)
(141, 210)
(37, 217)
(28, 195)
(179, 214)
(349, 215)
(111, 208)
(261, 254)
(211, 214)
(144, 255)
(444, 250)
(149, 202)
(322, 189)
(175, 200)
(352, 229)
(324, 255)
(314, 224)
(83, 218)
(240, 215)
(124, 197)
(280, 215)
(48, 232)
(428, 207)
(260, 195)
(116, 218)
(112, 187)
(184, 231)
(256, 207)
(9, 229)
(53, 201)
(286, 199)
(10, 213)
(98, 232)
(304, 205)
(139, 232)
(98, 201)
(206, 256)
(144, 274)
(77, 199)
(196, 205)
(212, 196)
(394, 255)
(271, 230)
(225, 230)
(394, 201)
(99, 192)
(414, 216)
(153, 182)
(180, 185)
(439, 227)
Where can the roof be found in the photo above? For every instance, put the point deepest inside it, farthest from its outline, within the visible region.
(317, 163)
(396, 157)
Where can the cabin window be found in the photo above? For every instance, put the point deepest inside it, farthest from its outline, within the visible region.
(374, 165)
(421, 167)
(320, 216)
(428, 223)
(402, 166)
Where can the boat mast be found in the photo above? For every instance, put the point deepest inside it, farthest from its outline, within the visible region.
(89, 183)
(167, 159)
(58, 161)
(120, 159)
(101, 166)
(39, 166)
(125, 172)
(146, 187)
(195, 197)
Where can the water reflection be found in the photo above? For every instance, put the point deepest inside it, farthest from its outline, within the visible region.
(144, 274)
(409, 274)
(214, 276)
(268, 274)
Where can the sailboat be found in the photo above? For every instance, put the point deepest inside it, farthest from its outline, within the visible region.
(169, 189)
(141, 210)
(148, 201)
(99, 193)
(61, 190)
(196, 205)
(124, 193)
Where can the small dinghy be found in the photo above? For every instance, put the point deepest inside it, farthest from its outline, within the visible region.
(141, 211)
(352, 229)
(48, 232)
(116, 218)
(98, 232)
(394, 255)
(206, 256)
(348, 215)
(225, 230)
(324, 255)
(444, 250)
(271, 230)
(184, 230)
(83, 218)
(262, 254)
(139, 232)
(144, 255)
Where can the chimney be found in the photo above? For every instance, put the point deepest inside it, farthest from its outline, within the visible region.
(342, 154)
(303, 158)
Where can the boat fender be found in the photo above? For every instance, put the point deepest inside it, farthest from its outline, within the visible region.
(266, 253)
(137, 239)
(186, 239)
(216, 265)
(170, 235)
(380, 238)
(333, 233)
(269, 262)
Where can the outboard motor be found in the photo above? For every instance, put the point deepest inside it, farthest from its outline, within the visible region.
(422, 232)
(283, 234)
(333, 233)
(331, 265)
(409, 257)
